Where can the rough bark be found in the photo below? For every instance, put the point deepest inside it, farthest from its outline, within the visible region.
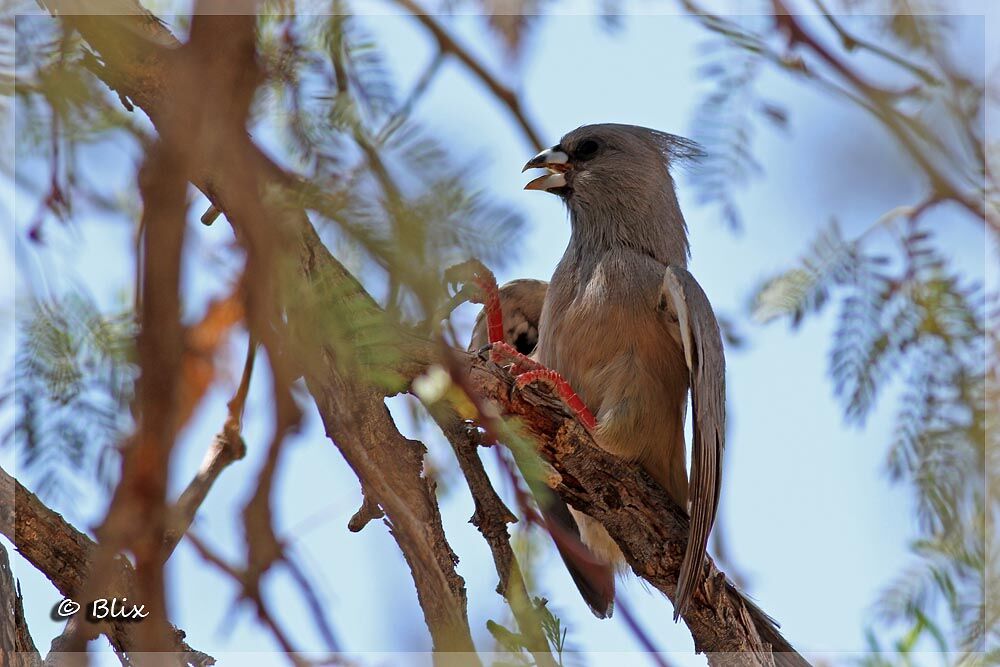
(17, 649)
(64, 555)
(650, 529)
(391, 469)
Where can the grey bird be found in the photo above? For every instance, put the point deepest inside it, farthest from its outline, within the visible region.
(630, 330)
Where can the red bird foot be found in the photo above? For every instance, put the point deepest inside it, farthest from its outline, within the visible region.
(558, 385)
(525, 369)
(507, 357)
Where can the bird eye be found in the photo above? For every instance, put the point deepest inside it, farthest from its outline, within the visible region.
(587, 149)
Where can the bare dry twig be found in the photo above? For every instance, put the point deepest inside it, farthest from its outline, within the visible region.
(226, 447)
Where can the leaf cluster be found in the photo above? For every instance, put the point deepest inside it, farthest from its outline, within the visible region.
(908, 318)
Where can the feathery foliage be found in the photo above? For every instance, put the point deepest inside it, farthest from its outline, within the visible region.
(905, 316)
(71, 388)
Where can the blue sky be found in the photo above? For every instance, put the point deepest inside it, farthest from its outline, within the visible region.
(808, 513)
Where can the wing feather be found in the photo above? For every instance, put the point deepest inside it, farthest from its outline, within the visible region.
(705, 359)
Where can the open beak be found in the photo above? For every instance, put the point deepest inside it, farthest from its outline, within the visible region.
(556, 162)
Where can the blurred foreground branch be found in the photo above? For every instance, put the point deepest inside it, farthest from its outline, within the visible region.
(140, 71)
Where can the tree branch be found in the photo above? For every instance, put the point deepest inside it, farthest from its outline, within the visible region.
(879, 103)
(447, 44)
(15, 639)
(491, 517)
(650, 529)
(64, 555)
(227, 445)
(390, 468)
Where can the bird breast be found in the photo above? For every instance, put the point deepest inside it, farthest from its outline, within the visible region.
(602, 331)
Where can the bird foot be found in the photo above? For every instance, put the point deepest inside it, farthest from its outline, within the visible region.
(558, 385)
(507, 357)
(484, 290)
(525, 369)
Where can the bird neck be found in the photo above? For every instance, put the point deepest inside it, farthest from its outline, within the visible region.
(652, 226)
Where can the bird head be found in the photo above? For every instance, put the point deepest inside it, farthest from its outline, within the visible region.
(616, 182)
(609, 164)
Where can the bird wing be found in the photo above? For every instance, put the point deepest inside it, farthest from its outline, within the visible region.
(521, 303)
(682, 298)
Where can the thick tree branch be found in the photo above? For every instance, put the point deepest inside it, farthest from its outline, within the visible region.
(390, 468)
(64, 555)
(651, 530)
(17, 649)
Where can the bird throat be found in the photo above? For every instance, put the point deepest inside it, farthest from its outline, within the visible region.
(658, 232)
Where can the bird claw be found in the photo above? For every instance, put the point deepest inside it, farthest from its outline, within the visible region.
(466, 277)
(507, 357)
(478, 285)
(558, 385)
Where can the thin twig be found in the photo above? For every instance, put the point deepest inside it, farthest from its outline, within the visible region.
(852, 41)
(448, 44)
(419, 88)
(249, 590)
(226, 447)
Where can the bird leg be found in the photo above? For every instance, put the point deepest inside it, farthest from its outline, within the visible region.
(487, 293)
(558, 385)
(525, 369)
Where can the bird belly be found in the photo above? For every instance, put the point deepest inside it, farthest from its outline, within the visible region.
(630, 372)
(638, 395)
(602, 331)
